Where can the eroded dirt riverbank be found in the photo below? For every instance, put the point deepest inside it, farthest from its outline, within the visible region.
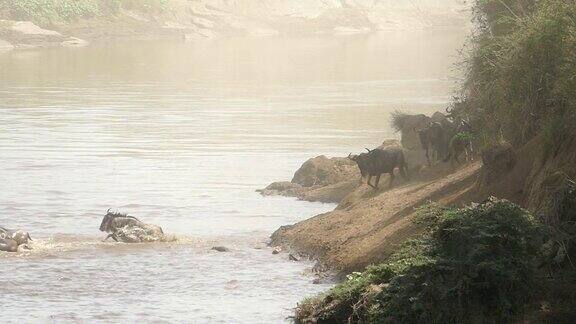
(366, 226)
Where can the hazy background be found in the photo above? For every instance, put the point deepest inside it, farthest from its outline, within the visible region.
(181, 135)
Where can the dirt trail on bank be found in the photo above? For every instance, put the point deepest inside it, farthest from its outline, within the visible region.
(367, 226)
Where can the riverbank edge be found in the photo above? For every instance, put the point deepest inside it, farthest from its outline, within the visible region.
(367, 226)
(69, 23)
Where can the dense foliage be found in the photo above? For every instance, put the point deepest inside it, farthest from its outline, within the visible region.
(477, 264)
(521, 71)
(53, 11)
(492, 262)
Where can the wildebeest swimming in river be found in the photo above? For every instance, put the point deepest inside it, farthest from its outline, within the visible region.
(11, 240)
(129, 229)
(379, 161)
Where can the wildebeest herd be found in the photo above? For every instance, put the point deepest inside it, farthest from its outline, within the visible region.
(441, 141)
(446, 141)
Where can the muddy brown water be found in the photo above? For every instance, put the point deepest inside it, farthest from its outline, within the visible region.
(181, 135)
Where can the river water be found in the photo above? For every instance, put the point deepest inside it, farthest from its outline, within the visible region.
(181, 135)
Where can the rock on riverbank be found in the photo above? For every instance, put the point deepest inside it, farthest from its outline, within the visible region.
(25, 34)
(320, 179)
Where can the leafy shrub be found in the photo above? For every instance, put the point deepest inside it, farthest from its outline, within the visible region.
(145, 5)
(520, 70)
(476, 265)
(560, 217)
(45, 11)
(50, 11)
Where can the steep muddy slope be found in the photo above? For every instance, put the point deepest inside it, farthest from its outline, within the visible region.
(367, 226)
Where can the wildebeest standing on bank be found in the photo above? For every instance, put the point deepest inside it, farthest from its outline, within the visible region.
(435, 139)
(461, 142)
(430, 138)
(379, 161)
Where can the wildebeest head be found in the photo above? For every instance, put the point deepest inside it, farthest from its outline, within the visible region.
(21, 237)
(362, 160)
(107, 220)
(435, 131)
(113, 220)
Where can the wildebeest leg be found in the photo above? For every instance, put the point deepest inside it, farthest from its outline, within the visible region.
(377, 182)
(369, 181)
(391, 179)
(428, 157)
(111, 235)
(404, 172)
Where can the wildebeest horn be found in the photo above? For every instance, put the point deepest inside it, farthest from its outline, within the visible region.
(367, 149)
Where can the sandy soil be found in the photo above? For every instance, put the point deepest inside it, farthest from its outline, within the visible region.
(367, 226)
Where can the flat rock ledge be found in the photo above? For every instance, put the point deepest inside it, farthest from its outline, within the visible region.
(320, 179)
(25, 35)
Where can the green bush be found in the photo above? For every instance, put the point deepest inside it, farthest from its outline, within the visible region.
(145, 5)
(50, 11)
(46, 11)
(477, 265)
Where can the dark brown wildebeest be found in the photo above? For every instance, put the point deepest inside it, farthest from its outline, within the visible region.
(379, 161)
(435, 139)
